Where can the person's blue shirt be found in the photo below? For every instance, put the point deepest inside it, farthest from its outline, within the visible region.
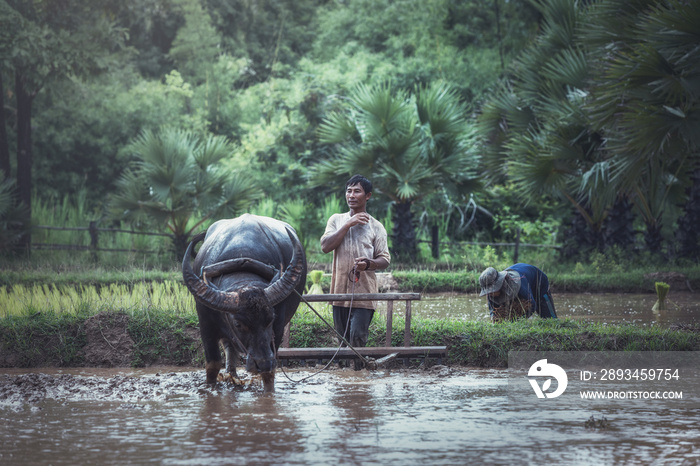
(534, 287)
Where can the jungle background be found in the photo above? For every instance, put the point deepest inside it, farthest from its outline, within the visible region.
(568, 124)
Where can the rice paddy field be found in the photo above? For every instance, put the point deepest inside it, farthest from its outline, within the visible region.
(167, 297)
(48, 324)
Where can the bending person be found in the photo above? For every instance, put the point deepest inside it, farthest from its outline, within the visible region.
(519, 291)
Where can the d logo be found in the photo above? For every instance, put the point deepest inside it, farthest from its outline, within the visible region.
(542, 369)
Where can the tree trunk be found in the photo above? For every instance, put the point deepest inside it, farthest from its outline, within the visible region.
(4, 143)
(687, 234)
(24, 151)
(653, 238)
(180, 243)
(581, 239)
(498, 33)
(404, 246)
(618, 229)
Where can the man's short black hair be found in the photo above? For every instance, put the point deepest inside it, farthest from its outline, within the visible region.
(364, 182)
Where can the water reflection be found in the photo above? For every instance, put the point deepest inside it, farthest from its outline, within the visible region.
(683, 307)
(233, 425)
(343, 417)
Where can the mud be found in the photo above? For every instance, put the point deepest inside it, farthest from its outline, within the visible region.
(21, 389)
(108, 341)
(113, 340)
(105, 340)
(437, 416)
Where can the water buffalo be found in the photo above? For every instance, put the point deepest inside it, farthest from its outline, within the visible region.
(244, 296)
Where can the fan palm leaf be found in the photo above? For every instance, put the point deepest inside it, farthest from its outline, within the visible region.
(647, 99)
(538, 129)
(338, 128)
(560, 20)
(569, 68)
(177, 180)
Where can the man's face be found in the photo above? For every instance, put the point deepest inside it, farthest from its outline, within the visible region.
(356, 197)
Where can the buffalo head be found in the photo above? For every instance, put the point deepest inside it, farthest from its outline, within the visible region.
(230, 301)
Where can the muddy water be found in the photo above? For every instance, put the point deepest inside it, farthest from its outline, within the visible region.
(437, 416)
(683, 307)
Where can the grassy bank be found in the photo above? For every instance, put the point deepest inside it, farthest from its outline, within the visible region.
(98, 317)
(467, 281)
(162, 337)
(484, 344)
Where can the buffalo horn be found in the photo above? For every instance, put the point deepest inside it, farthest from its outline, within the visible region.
(219, 300)
(280, 289)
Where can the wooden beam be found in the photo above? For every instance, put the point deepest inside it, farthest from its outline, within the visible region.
(389, 322)
(362, 297)
(347, 353)
(407, 330)
(389, 298)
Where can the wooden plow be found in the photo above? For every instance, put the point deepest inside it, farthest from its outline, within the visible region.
(381, 354)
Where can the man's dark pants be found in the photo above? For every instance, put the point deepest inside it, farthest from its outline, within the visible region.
(357, 332)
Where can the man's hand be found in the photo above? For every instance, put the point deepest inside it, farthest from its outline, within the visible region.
(332, 241)
(363, 263)
(361, 218)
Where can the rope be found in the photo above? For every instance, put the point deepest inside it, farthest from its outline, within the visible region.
(342, 337)
(241, 349)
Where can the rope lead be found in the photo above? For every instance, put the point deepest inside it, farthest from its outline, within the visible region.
(370, 363)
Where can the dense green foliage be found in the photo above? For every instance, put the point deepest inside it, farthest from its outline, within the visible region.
(177, 177)
(538, 84)
(598, 112)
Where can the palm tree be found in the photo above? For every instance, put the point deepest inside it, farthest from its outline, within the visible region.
(536, 134)
(601, 111)
(178, 181)
(409, 145)
(646, 59)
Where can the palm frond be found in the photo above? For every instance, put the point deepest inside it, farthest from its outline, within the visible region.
(440, 109)
(407, 181)
(337, 128)
(672, 27)
(213, 150)
(408, 144)
(132, 191)
(596, 184)
(611, 21)
(382, 113)
(568, 68)
(560, 20)
(166, 161)
(239, 192)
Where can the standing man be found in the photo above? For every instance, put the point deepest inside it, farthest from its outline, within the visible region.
(519, 291)
(359, 245)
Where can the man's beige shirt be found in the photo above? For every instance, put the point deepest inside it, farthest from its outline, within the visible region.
(368, 240)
